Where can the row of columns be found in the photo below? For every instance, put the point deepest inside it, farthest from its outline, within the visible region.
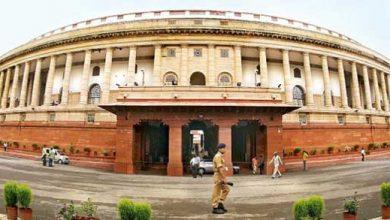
(5, 77)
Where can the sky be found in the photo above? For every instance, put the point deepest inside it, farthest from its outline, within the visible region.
(366, 21)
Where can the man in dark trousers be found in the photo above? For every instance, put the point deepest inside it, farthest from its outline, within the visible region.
(221, 189)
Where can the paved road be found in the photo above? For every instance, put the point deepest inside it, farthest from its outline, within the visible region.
(252, 197)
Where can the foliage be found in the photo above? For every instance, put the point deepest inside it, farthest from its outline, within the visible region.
(126, 209)
(309, 208)
(143, 211)
(11, 193)
(322, 151)
(24, 195)
(330, 149)
(87, 208)
(87, 150)
(351, 205)
(35, 146)
(385, 193)
(313, 151)
(16, 144)
(356, 147)
(56, 147)
(67, 212)
(77, 151)
(105, 152)
(297, 150)
(300, 209)
(71, 149)
(384, 145)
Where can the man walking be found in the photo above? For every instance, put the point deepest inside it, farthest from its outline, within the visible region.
(51, 157)
(5, 145)
(194, 163)
(277, 161)
(363, 153)
(254, 165)
(221, 189)
(261, 164)
(305, 155)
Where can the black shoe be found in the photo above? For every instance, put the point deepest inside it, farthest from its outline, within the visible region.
(218, 211)
(220, 206)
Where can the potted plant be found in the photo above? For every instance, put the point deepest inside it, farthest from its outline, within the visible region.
(296, 151)
(24, 198)
(385, 194)
(11, 199)
(143, 211)
(126, 209)
(309, 208)
(68, 212)
(351, 206)
(87, 211)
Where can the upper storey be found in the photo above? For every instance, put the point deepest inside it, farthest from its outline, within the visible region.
(196, 22)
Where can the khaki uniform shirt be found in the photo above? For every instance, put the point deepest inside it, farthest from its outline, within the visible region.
(218, 162)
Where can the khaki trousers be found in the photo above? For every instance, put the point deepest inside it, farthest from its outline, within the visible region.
(220, 192)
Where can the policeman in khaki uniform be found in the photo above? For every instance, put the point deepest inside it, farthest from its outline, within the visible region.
(221, 189)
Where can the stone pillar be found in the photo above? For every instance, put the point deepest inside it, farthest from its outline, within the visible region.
(29, 91)
(237, 64)
(15, 84)
(343, 87)
(85, 78)
(2, 73)
(184, 65)
(6, 89)
(367, 89)
(263, 67)
(50, 81)
(225, 136)
(124, 147)
(308, 81)
(36, 84)
(327, 87)
(287, 77)
(211, 75)
(23, 92)
(175, 164)
(107, 76)
(384, 92)
(376, 89)
(157, 66)
(131, 66)
(66, 82)
(355, 87)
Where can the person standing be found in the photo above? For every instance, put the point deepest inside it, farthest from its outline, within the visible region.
(276, 161)
(194, 163)
(44, 157)
(5, 145)
(51, 157)
(220, 189)
(261, 164)
(254, 165)
(363, 153)
(305, 155)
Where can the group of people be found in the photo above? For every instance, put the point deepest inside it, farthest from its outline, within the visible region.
(48, 156)
(258, 162)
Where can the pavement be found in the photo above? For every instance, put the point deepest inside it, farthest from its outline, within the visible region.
(252, 197)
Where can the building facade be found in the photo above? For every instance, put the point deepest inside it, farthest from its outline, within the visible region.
(153, 88)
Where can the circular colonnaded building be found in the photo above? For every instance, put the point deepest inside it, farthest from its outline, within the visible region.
(150, 89)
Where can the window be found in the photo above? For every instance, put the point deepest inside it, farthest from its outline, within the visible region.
(91, 118)
(303, 119)
(224, 53)
(258, 72)
(341, 119)
(224, 79)
(368, 119)
(197, 78)
(96, 71)
(136, 68)
(172, 22)
(94, 94)
(297, 73)
(298, 96)
(52, 117)
(170, 78)
(22, 116)
(197, 52)
(387, 120)
(171, 52)
(198, 22)
(224, 23)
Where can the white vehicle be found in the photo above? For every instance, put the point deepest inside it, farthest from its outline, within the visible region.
(59, 156)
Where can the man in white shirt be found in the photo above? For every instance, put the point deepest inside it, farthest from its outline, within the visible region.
(194, 163)
(363, 153)
(277, 161)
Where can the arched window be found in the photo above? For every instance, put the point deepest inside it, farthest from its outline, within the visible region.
(198, 78)
(96, 71)
(94, 94)
(298, 96)
(170, 78)
(297, 73)
(225, 79)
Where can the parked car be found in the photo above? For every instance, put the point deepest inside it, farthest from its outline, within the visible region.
(206, 166)
(59, 156)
